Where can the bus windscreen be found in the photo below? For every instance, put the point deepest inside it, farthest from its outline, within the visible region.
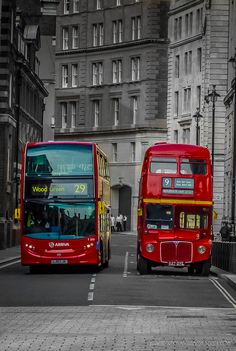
(59, 220)
(59, 160)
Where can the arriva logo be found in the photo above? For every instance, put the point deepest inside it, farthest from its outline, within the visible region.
(52, 245)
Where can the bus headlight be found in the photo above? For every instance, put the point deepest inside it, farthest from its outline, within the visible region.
(149, 248)
(201, 249)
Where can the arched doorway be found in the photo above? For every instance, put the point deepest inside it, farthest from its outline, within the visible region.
(121, 202)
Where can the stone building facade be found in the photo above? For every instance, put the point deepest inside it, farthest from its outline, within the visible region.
(111, 84)
(21, 107)
(198, 51)
(230, 105)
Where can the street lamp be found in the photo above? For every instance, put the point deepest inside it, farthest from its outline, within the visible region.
(212, 96)
(233, 61)
(197, 115)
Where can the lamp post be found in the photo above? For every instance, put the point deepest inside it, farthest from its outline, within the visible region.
(197, 115)
(212, 96)
(233, 61)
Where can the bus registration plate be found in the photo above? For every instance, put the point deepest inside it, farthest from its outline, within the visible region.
(59, 261)
(176, 264)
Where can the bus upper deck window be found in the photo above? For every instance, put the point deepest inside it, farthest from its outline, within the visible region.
(189, 166)
(163, 165)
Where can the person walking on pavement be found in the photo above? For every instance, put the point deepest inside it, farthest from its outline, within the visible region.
(112, 219)
(124, 222)
(119, 223)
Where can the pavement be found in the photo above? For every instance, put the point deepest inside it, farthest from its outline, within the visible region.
(13, 253)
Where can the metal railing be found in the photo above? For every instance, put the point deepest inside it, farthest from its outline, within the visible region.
(224, 255)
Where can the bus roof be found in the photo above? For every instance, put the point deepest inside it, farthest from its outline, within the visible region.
(41, 143)
(178, 150)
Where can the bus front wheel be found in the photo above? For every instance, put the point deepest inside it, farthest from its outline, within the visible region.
(143, 265)
(203, 268)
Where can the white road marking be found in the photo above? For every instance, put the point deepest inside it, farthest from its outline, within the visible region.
(90, 296)
(165, 307)
(126, 265)
(91, 288)
(223, 291)
(9, 264)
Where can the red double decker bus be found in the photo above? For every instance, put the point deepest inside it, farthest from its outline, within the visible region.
(175, 209)
(65, 205)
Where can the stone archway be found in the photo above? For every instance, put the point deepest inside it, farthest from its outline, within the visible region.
(121, 202)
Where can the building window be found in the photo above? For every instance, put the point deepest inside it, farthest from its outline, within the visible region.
(176, 136)
(198, 91)
(64, 75)
(95, 35)
(97, 73)
(186, 135)
(64, 115)
(188, 62)
(135, 68)
(117, 31)
(187, 100)
(134, 101)
(73, 114)
(188, 24)
(98, 34)
(199, 59)
(114, 152)
(76, 6)
(133, 151)
(10, 91)
(74, 75)
(99, 4)
(144, 147)
(75, 37)
(199, 20)
(66, 7)
(65, 39)
(177, 66)
(9, 158)
(116, 111)
(96, 112)
(135, 28)
(120, 31)
(176, 104)
(138, 27)
(101, 34)
(178, 28)
(116, 71)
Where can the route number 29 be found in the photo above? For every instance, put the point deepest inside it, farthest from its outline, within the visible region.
(81, 188)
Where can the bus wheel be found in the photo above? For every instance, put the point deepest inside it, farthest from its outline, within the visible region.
(143, 265)
(33, 269)
(203, 268)
(191, 270)
(106, 263)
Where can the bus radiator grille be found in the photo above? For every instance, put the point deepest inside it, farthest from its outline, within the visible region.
(176, 251)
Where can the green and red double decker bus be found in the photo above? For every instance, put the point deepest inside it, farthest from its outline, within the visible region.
(65, 205)
(175, 209)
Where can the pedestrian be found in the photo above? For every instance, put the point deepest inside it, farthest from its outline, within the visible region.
(119, 223)
(112, 219)
(124, 222)
(225, 231)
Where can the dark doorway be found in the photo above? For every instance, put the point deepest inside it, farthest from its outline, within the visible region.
(125, 203)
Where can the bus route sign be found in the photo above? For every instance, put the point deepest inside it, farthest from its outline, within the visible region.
(59, 189)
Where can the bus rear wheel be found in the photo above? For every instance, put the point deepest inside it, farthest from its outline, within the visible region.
(203, 268)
